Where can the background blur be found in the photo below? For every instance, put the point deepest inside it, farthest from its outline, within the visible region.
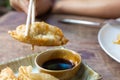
(4, 7)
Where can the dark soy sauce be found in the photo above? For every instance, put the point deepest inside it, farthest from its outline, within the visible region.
(57, 64)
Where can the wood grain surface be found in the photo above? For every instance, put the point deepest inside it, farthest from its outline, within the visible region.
(82, 39)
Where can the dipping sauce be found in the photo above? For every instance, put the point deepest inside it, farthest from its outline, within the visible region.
(58, 64)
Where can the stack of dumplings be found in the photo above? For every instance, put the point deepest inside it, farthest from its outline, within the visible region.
(24, 73)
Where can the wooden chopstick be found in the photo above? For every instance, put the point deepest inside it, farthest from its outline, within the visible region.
(33, 12)
(28, 18)
(33, 17)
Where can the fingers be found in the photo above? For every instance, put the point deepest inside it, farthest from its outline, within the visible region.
(20, 5)
(24, 5)
(42, 6)
(14, 5)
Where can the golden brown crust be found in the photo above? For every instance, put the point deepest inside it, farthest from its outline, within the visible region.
(7, 74)
(40, 34)
(24, 73)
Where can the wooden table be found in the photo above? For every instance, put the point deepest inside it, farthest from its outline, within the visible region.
(82, 39)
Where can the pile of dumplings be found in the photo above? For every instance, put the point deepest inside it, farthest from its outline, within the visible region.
(24, 73)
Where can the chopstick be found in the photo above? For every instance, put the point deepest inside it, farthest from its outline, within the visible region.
(31, 12)
(33, 17)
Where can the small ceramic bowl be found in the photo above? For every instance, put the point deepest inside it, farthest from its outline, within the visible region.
(59, 53)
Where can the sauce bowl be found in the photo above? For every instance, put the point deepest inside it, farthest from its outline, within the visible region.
(59, 53)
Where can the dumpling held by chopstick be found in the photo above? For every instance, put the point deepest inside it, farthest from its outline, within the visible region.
(40, 34)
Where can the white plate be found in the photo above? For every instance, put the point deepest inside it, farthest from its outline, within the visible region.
(106, 36)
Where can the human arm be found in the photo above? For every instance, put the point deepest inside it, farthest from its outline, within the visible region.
(94, 8)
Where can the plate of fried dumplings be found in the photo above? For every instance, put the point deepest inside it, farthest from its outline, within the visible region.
(24, 69)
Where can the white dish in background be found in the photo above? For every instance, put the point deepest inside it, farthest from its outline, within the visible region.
(106, 36)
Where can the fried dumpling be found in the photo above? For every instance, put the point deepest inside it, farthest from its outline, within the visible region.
(7, 74)
(40, 34)
(25, 73)
(42, 76)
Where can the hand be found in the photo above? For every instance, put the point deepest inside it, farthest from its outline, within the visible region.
(42, 6)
